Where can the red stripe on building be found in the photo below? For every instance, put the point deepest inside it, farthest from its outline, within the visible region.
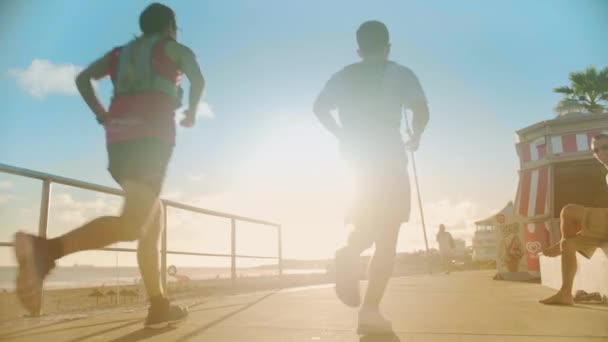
(542, 151)
(541, 191)
(524, 196)
(524, 153)
(569, 143)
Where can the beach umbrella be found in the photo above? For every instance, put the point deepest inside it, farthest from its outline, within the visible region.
(112, 295)
(125, 293)
(97, 294)
(131, 294)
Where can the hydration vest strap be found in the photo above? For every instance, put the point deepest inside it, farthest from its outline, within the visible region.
(146, 79)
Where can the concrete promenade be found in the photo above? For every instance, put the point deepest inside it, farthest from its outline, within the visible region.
(464, 306)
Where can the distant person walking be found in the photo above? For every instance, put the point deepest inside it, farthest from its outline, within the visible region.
(583, 230)
(370, 98)
(446, 248)
(140, 136)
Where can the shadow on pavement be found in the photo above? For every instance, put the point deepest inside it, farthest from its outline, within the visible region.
(29, 333)
(142, 334)
(391, 337)
(203, 328)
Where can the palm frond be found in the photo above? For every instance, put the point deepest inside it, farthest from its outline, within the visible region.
(563, 90)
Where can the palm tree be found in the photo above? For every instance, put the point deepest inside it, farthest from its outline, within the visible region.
(588, 88)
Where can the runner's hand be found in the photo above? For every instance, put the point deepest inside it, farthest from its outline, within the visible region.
(413, 143)
(189, 119)
(101, 118)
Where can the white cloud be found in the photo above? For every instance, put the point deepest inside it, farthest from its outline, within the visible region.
(5, 198)
(66, 200)
(43, 78)
(173, 195)
(205, 111)
(71, 217)
(458, 216)
(197, 178)
(67, 205)
(5, 185)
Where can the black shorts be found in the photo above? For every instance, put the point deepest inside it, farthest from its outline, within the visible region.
(143, 161)
(382, 188)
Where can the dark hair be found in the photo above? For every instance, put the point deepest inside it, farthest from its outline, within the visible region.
(600, 136)
(372, 36)
(156, 18)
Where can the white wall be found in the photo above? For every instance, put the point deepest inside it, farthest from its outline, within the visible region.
(592, 274)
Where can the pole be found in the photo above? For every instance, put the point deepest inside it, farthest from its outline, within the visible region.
(426, 243)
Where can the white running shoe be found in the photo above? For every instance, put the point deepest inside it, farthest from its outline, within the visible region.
(347, 277)
(371, 322)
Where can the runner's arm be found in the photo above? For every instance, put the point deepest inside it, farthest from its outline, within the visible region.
(186, 61)
(416, 102)
(323, 106)
(97, 70)
(420, 116)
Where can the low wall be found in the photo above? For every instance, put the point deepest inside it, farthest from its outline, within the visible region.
(591, 276)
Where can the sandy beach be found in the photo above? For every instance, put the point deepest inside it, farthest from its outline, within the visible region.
(82, 299)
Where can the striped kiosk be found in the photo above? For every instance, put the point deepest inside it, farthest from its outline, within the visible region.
(557, 168)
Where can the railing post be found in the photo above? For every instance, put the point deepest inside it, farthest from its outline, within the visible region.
(43, 223)
(233, 251)
(163, 253)
(280, 246)
(45, 201)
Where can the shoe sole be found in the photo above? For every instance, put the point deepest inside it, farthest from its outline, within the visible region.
(349, 298)
(371, 330)
(350, 302)
(164, 325)
(28, 294)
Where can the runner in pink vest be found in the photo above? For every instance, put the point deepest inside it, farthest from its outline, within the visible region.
(140, 135)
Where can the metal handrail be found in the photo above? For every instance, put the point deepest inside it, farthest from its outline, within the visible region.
(47, 179)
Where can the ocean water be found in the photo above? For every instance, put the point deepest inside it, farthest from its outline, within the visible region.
(89, 276)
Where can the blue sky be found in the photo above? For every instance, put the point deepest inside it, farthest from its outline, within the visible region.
(488, 68)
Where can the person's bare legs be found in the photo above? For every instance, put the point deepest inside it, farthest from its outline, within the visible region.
(570, 224)
(148, 253)
(446, 262)
(140, 200)
(346, 264)
(571, 219)
(361, 238)
(381, 266)
(36, 256)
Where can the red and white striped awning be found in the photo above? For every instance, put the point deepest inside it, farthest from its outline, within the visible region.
(532, 193)
(560, 144)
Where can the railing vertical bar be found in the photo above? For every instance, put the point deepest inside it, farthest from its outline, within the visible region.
(280, 251)
(233, 251)
(43, 222)
(163, 255)
(45, 202)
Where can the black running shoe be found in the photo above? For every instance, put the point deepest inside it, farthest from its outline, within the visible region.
(165, 315)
